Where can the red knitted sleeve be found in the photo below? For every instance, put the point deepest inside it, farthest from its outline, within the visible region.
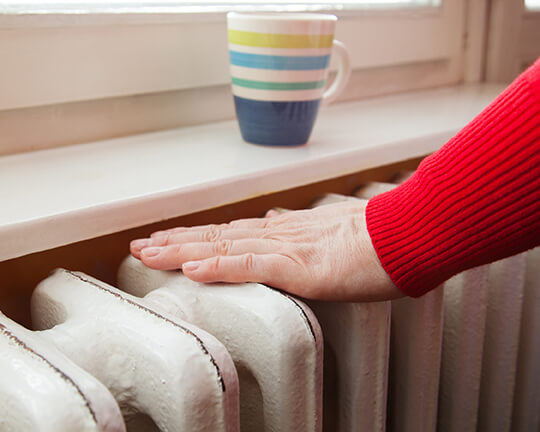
(474, 201)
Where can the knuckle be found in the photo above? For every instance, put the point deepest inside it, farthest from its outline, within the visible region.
(248, 261)
(269, 235)
(238, 223)
(177, 249)
(232, 224)
(223, 247)
(275, 222)
(161, 240)
(215, 264)
(166, 239)
(213, 234)
(276, 238)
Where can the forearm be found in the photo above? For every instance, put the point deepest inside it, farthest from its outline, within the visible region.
(474, 201)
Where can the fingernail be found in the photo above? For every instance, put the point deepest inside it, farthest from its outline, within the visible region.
(280, 210)
(191, 265)
(140, 243)
(275, 211)
(151, 251)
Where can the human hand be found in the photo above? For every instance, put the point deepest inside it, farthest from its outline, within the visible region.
(324, 254)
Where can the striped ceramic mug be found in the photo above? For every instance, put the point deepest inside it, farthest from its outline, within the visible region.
(279, 66)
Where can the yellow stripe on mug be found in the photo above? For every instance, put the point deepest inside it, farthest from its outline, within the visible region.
(275, 40)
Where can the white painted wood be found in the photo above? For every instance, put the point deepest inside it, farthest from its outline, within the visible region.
(506, 288)
(465, 309)
(513, 39)
(476, 24)
(274, 340)
(153, 363)
(200, 6)
(63, 57)
(503, 40)
(415, 353)
(41, 389)
(529, 47)
(49, 196)
(526, 412)
(357, 337)
(43, 127)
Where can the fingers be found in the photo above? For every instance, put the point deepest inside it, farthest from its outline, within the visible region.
(179, 236)
(270, 269)
(240, 229)
(240, 223)
(175, 255)
(319, 253)
(211, 232)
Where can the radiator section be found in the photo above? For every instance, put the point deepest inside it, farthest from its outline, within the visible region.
(175, 374)
(274, 339)
(41, 389)
(526, 412)
(465, 309)
(356, 364)
(415, 347)
(357, 337)
(499, 367)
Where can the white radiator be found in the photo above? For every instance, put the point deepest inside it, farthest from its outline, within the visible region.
(164, 353)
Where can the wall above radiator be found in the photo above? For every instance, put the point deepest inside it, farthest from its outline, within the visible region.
(55, 197)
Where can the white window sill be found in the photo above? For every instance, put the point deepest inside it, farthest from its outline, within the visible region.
(59, 196)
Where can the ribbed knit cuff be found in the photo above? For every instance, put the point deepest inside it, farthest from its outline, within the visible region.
(474, 201)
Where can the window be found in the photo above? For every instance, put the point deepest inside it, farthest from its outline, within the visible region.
(56, 52)
(514, 38)
(532, 4)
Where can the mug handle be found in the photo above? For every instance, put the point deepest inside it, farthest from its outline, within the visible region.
(343, 74)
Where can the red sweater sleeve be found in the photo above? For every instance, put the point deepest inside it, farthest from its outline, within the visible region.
(474, 201)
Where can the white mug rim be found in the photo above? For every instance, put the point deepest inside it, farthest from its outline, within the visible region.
(282, 16)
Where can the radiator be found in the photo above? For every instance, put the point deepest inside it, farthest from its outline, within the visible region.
(162, 353)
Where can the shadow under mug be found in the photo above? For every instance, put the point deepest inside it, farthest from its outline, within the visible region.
(279, 66)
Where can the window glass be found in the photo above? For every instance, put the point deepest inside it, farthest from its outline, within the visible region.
(532, 4)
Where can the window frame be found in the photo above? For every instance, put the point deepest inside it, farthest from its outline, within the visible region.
(512, 40)
(70, 57)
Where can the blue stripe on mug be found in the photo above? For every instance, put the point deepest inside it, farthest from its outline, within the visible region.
(261, 61)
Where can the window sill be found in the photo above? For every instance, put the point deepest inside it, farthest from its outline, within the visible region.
(59, 196)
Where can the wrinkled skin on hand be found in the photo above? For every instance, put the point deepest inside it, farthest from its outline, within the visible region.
(324, 254)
